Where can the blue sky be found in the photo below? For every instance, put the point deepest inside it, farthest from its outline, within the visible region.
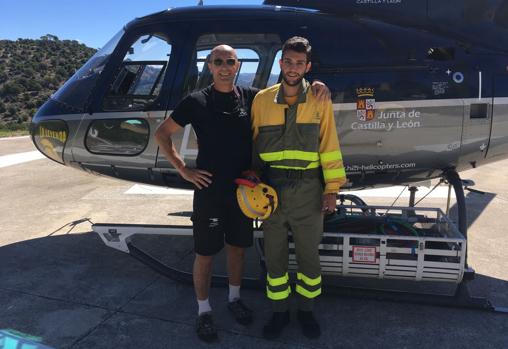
(92, 22)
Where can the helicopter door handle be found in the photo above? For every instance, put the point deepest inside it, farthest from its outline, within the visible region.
(480, 84)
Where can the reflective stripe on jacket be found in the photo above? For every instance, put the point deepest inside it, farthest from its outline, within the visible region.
(299, 137)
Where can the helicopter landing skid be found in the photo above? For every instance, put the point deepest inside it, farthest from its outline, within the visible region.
(118, 236)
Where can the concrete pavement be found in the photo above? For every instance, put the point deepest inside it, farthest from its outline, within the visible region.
(58, 282)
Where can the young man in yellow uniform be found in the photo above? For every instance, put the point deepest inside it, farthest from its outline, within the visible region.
(296, 146)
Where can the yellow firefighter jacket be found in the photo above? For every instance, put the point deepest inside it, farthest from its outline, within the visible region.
(297, 137)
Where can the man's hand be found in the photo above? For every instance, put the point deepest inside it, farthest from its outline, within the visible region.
(321, 91)
(251, 176)
(329, 203)
(200, 178)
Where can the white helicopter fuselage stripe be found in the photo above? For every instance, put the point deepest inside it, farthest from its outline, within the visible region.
(423, 103)
(143, 189)
(453, 102)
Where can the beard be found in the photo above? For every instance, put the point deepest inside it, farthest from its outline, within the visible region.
(294, 83)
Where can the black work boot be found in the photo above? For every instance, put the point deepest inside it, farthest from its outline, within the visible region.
(309, 324)
(241, 313)
(205, 328)
(276, 324)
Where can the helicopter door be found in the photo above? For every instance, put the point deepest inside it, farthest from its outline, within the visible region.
(256, 53)
(477, 114)
(128, 106)
(498, 146)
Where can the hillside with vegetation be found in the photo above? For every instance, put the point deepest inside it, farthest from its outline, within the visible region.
(32, 70)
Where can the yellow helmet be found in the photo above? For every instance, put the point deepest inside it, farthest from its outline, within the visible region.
(256, 200)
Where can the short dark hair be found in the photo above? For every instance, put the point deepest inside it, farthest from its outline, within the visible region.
(298, 44)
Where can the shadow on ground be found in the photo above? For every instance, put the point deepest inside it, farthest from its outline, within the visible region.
(73, 292)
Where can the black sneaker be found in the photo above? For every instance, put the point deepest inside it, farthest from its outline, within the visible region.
(241, 313)
(276, 324)
(205, 328)
(310, 326)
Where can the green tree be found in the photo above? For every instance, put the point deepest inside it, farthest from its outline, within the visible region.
(33, 85)
(49, 37)
(60, 71)
(12, 110)
(11, 88)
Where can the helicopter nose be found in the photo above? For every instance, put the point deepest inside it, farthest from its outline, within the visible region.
(50, 137)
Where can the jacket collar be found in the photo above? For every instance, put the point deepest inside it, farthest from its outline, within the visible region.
(302, 93)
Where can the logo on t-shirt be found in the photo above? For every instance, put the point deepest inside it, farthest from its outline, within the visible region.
(243, 113)
(213, 222)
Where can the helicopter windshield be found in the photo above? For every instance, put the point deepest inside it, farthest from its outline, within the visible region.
(76, 90)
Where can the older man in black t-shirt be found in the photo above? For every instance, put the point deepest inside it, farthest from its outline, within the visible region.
(220, 116)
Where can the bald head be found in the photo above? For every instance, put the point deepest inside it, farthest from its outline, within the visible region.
(222, 51)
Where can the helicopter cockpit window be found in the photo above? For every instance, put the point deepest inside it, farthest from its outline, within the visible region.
(249, 62)
(76, 90)
(138, 80)
(255, 53)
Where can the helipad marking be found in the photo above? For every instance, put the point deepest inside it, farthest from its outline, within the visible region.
(143, 189)
(19, 158)
(13, 138)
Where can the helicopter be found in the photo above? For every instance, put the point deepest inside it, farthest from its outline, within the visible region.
(419, 88)
(411, 99)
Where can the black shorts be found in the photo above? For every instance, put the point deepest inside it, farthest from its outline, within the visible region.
(218, 218)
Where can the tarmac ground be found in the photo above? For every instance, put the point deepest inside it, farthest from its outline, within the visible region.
(61, 287)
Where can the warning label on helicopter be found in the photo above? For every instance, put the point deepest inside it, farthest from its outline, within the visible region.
(364, 254)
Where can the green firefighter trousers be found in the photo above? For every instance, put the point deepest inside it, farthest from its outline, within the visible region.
(299, 210)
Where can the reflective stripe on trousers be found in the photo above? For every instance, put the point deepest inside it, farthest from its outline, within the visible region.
(277, 288)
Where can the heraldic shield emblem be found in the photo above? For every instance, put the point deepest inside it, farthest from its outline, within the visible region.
(365, 104)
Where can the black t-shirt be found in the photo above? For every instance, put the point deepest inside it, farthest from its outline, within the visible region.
(223, 129)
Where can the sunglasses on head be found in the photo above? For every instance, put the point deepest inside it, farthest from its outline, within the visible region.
(218, 62)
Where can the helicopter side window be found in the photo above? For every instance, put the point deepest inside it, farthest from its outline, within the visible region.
(127, 137)
(275, 72)
(138, 80)
(441, 53)
(249, 62)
